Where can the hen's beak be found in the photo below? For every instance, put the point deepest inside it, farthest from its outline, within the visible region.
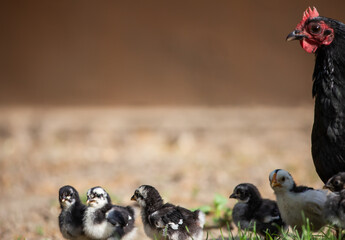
(133, 198)
(274, 182)
(295, 35)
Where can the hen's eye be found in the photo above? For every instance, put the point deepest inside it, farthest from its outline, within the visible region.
(315, 28)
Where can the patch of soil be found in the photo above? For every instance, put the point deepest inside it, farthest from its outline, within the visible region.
(188, 154)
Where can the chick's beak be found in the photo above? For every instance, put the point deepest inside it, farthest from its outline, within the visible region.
(133, 198)
(233, 195)
(295, 35)
(328, 186)
(274, 182)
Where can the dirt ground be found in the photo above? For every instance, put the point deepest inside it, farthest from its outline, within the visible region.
(188, 154)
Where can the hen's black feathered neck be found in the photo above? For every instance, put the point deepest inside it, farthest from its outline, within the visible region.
(329, 71)
(328, 134)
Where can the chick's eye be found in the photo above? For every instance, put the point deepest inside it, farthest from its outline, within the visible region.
(315, 28)
(283, 179)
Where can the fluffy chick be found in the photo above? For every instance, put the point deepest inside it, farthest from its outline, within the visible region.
(336, 183)
(102, 220)
(252, 209)
(294, 201)
(72, 212)
(334, 210)
(165, 220)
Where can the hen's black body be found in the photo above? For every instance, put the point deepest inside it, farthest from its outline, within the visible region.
(326, 38)
(328, 135)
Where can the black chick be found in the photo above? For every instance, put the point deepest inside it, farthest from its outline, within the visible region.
(336, 183)
(334, 210)
(102, 220)
(165, 220)
(252, 209)
(72, 212)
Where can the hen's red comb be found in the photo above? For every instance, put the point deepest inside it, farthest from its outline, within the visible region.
(310, 13)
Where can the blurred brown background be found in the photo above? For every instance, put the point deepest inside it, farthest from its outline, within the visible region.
(226, 99)
(155, 52)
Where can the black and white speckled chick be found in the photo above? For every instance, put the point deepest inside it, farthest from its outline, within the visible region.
(102, 220)
(252, 209)
(294, 201)
(334, 210)
(336, 183)
(167, 221)
(72, 212)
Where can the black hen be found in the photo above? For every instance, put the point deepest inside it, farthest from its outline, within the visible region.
(326, 38)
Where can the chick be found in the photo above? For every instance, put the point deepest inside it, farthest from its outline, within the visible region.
(102, 220)
(72, 213)
(295, 201)
(252, 209)
(334, 210)
(167, 221)
(336, 183)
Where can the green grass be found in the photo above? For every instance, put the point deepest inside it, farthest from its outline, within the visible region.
(327, 233)
(218, 210)
(39, 230)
